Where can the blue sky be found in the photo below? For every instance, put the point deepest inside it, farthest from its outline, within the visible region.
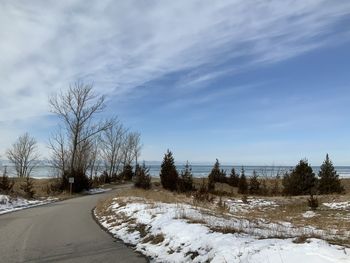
(248, 82)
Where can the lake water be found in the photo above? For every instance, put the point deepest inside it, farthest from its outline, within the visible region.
(202, 170)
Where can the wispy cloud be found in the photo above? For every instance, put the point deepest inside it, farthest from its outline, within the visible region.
(121, 45)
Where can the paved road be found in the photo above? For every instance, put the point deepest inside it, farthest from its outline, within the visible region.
(60, 232)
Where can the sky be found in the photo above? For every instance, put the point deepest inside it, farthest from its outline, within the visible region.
(248, 82)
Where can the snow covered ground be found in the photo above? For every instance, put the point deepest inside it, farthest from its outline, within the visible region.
(338, 205)
(9, 204)
(168, 232)
(97, 191)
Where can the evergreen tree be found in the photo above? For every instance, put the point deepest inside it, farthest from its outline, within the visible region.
(142, 176)
(242, 183)
(6, 184)
(254, 184)
(301, 180)
(234, 178)
(329, 179)
(168, 173)
(186, 179)
(127, 172)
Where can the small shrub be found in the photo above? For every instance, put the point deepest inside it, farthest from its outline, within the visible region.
(27, 187)
(245, 199)
(185, 183)
(127, 172)
(202, 194)
(142, 177)
(254, 184)
(275, 190)
(312, 202)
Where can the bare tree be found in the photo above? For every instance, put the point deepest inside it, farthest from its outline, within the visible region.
(59, 152)
(136, 145)
(23, 155)
(77, 108)
(112, 141)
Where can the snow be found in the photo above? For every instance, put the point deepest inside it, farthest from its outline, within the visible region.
(97, 191)
(238, 205)
(338, 205)
(309, 214)
(197, 241)
(9, 204)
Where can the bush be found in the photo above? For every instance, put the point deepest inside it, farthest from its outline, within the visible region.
(81, 181)
(312, 202)
(168, 173)
(185, 183)
(6, 184)
(329, 179)
(127, 172)
(105, 178)
(202, 194)
(242, 183)
(234, 178)
(276, 186)
(27, 187)
(254, 184)
(142, 177)
(300, 181)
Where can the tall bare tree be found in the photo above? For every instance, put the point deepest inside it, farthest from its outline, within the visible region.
(23, 154)
(112, 141)
(77, 108)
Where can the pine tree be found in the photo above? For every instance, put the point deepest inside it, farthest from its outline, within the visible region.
(329, 179)
(168, 173)
(142, 177)
(254, 184)
(186, 179)
(127, 173)
(242, 183)
(6, 184)
(216, 175)
(234, 178)
(300, 181)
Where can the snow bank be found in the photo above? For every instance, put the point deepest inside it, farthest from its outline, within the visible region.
(9, 204)
(169, 233)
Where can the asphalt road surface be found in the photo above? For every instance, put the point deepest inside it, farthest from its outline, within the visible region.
(60, 232)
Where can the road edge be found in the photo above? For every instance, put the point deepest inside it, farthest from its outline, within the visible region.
(115, 238)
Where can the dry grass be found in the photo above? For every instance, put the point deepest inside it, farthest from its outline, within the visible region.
(156, 195)
(157, 239)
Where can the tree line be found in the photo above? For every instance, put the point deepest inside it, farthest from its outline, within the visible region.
(82, 142)
(301, 180)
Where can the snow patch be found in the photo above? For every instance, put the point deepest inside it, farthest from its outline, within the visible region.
(9, 204)
(309, 214)
(185, 234)
(338, 205)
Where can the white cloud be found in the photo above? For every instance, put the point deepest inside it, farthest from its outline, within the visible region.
(119, 45)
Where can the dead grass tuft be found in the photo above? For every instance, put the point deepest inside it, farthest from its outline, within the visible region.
(157, 239)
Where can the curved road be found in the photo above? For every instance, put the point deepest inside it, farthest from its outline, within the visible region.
(60, 232)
